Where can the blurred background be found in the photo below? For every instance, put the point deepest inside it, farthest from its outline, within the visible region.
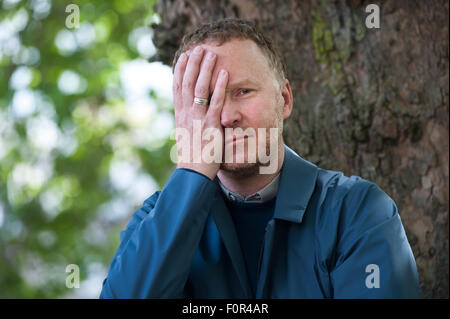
(86, 119)
(85, 125)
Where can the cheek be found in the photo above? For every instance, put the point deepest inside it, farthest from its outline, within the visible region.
(256, 114)
(261, 106)
(253, 110)
(261, 113)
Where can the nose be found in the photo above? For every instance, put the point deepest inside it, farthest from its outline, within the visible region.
(230, 116)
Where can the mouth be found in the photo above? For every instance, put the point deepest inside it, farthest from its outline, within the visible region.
(235, 139)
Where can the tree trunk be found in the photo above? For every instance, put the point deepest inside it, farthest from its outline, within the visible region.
(367, 102)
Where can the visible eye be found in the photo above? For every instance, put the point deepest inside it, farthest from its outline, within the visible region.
(244, 91)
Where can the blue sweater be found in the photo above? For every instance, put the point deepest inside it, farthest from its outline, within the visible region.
(250, 220)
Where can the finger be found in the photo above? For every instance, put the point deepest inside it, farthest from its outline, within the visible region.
(204, 78)
(191, 74)
(180, 67)
(218, 97)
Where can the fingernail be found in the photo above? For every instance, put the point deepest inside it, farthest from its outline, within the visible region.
(182, 57)
(223, 73)
(198, 49)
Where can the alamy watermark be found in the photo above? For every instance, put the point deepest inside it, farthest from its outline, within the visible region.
(373, 19)
(373, 279)
(73, 19)
(73, 279)
(234, 146)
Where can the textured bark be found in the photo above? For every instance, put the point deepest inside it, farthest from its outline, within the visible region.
(367, 102)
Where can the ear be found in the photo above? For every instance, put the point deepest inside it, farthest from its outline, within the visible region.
(288, 100)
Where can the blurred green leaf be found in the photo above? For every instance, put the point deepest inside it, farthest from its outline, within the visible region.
(78, 154)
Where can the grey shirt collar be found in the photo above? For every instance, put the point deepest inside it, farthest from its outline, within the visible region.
(261, 196)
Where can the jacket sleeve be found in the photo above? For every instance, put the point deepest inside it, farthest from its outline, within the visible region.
(374, 258)
(158, 245)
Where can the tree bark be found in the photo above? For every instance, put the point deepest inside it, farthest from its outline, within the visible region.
(367, 102)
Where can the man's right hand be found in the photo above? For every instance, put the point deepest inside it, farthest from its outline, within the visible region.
(192, 78)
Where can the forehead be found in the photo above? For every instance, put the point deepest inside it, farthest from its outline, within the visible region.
(243, 60)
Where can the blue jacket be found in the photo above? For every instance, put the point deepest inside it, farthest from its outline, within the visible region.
(331, 236)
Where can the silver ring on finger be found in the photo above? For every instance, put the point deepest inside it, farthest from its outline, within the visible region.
(200, 101)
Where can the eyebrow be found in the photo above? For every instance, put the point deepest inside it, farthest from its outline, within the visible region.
(241, 83)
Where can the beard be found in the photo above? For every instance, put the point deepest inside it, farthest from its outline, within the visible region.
(240, 170)
(247, 169)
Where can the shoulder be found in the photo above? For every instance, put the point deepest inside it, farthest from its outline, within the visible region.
(348, 209)
(353, 200)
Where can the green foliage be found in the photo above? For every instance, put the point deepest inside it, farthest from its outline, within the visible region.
(67, 136)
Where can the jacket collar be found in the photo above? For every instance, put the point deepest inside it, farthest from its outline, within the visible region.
(297, 182)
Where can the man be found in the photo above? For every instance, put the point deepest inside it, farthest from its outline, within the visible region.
(224, 229)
